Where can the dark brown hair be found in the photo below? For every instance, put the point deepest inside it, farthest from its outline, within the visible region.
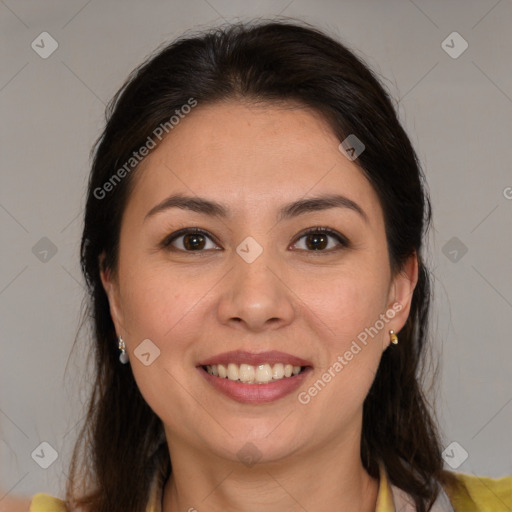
(269, 62)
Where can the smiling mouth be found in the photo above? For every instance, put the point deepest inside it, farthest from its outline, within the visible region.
(254, 374)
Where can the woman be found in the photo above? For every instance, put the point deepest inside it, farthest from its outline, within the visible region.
(253, 247)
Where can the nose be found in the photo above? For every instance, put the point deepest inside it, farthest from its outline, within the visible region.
(255, 296)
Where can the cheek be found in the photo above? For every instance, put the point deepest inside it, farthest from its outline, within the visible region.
(347, 302)
(354, 312)
(349, 306)
(163, 309)
(353, 348)
(156, 305)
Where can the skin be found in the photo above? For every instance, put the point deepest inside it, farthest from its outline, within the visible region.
(308, 303)
(14, 503)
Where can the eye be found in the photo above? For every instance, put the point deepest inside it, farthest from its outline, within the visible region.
(192, 240)
(196, 240)
(317, 239)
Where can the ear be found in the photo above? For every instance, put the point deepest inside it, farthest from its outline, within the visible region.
(400, 295)
(111, 287)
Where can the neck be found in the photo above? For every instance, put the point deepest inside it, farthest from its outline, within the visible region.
(332, 476)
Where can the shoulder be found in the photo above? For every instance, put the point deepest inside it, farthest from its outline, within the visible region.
(45, 503)
(472, 493)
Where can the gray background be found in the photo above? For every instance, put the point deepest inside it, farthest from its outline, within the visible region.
(457, 111)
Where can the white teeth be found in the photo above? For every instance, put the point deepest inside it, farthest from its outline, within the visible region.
(222, 370)
(278, 371)
(263, 373)
(246, 373)
(233, 371)
(249, 374)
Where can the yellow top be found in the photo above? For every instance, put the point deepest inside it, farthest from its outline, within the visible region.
(483, 495)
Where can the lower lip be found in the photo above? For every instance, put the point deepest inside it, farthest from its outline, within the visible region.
(255, 393)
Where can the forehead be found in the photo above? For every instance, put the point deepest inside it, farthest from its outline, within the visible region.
(251, 156)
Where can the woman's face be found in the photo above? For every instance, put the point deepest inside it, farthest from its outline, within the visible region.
(254, 282)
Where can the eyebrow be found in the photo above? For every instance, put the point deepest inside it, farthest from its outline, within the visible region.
(288, 211)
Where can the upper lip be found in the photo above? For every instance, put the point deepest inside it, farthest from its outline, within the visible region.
(244, 357)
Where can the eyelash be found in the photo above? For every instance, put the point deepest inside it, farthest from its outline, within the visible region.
(343, 241)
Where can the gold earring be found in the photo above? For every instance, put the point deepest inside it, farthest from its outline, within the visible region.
(394, 337)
